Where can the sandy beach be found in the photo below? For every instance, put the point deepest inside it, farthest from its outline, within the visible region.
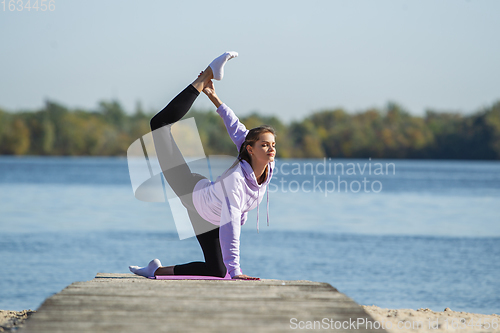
(11, 320)
(426, 320)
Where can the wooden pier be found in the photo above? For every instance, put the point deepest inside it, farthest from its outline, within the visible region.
(128, 303)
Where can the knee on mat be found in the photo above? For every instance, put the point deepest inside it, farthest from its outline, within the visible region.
(219, 272)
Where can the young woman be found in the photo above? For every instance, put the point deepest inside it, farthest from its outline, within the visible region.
(217, 210)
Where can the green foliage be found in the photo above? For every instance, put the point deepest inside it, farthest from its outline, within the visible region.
(388, 133)
(15, 136)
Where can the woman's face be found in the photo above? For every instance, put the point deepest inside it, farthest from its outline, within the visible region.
(264, 150)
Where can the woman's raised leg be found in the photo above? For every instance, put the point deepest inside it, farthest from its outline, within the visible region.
(174, 167)
(181, 103)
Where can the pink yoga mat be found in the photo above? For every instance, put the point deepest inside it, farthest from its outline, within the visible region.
(190, 277)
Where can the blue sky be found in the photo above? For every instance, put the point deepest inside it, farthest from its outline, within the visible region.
(296, 57)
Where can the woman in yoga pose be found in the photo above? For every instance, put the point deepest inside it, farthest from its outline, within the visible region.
(217, 210)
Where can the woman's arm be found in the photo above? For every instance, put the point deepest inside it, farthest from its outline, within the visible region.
(230, 228)
(236, 130)
(210, 92)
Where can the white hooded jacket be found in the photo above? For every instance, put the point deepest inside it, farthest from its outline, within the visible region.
(227, 201)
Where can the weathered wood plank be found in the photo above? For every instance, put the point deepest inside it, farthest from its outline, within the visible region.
(128, 303)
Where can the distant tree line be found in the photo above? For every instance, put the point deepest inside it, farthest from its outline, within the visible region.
(391, 132)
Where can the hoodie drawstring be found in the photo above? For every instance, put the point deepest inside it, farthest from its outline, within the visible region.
(267, 190)
(258, 192)
(267, 204)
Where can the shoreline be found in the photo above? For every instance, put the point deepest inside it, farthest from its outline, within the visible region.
(12, 320)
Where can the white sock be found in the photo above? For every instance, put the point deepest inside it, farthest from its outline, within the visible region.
(148, 271)
(218, 64)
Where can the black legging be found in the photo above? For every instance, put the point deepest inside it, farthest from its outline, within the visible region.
(182, 181)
